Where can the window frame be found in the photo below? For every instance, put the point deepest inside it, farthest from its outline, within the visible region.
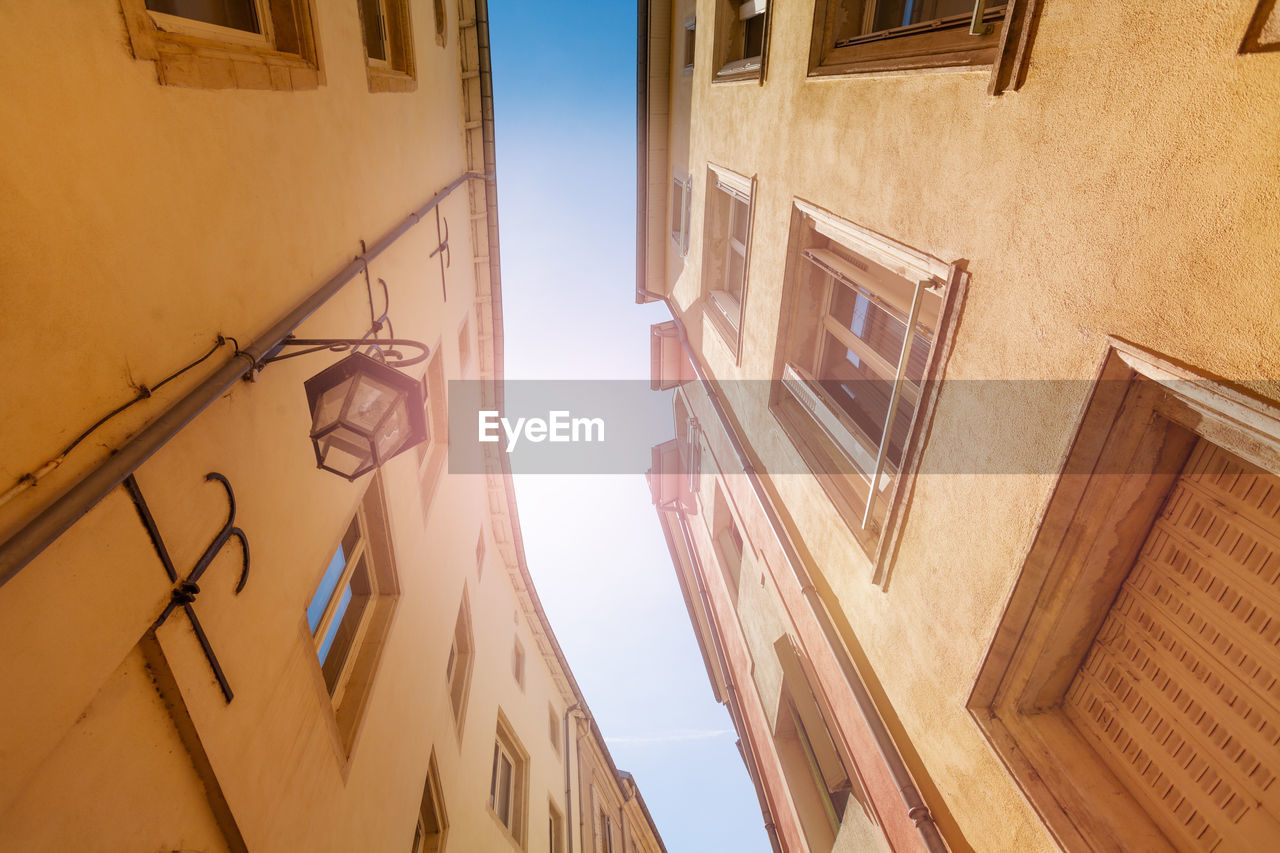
(459, 664)
(1141, 420)
(690, 44)
(434, 451)
(346, 695)
(555, 828)
(433, 799)
(732, 29)
(190, 53)
(680, 232)
(518, 662)
(507, 745)
(817, 427)
(726, 190)
(397, 72)
(1004, 46)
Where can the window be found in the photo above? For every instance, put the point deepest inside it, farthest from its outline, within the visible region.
(681, 209)
(553, 727)
(441, 22)
(870, 325)
(1131, 683)
(433, 452)
(604, 838)
(728, 543)
(350, 612)
(464, 345)
(813, 765)
(855, 36)
(742, 37)
(457, 672)
(433, 823)
(517, 663)
(690, 31)
(245, 44)
(388, 45)
(725, 251)
(555, 829)
(508, 781)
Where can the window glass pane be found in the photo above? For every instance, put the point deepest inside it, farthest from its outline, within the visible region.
(504, 790)
(371, 18)
(734, 275)
(236, 14)
(753, 37)
(738, 214)
(870, 322)
(904, 13)
(324, 592)
(677, 205)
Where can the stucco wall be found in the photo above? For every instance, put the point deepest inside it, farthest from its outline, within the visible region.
(139, 222)
(1127, 189)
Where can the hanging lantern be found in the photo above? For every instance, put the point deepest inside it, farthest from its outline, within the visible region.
(363, 412)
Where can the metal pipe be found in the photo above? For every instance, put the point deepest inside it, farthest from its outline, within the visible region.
(568, 795)
(24, 545)
(917, 810)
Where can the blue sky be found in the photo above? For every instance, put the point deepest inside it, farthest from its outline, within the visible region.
(564, 102)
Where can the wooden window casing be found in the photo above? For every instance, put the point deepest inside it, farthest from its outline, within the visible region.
(508, 782)
(854, 37)
(1133, 683)
(350, 613)
(845, 355)
(458, 666)
(726, 252)
(433, 822)
(517, 662)
(681, 211)
(275, 50)
(433, 453)
(742, 40)
(388, 45)
(555, 829)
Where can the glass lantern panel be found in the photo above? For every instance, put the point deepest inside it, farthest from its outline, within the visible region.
(345, 451)
(329, 405)
(369, 402)
(393, 431)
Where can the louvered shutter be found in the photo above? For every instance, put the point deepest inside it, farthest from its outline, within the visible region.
(1179, 692)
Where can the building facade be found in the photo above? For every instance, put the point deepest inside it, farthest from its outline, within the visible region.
(973, 490)
(209, 643)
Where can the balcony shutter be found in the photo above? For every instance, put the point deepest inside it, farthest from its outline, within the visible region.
(1180, 691)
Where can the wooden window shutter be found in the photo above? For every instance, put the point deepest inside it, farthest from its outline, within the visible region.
(1180, 691)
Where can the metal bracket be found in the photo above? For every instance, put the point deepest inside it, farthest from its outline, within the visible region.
(443, 250)
(184, 591)
(976, 25)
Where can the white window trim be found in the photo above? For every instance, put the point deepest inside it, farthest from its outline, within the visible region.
(732, 181)
(897, 258)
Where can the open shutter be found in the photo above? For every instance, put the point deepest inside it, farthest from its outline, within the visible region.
(1180, 691)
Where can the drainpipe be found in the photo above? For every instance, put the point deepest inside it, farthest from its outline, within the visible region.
(575, 708)
(917, 810)
(27, 543)
(735, 706)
